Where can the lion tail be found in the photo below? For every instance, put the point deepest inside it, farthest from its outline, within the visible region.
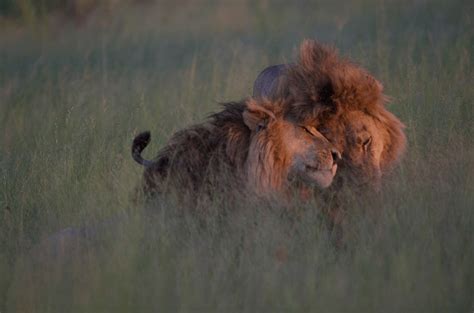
(139, 144)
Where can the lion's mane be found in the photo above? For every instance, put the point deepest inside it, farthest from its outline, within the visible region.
(325, 87)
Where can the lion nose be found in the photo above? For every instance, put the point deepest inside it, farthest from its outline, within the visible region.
(336, 155)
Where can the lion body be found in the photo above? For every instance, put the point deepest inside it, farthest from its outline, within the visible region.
(193, 156)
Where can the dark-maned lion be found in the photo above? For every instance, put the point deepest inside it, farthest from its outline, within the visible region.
(248, 145)
(345, 103)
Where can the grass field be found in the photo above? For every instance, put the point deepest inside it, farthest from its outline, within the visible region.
(72, 96)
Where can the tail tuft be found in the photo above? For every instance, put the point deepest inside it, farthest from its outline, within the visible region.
(139, 144)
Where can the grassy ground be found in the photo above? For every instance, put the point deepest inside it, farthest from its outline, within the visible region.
(72, 96)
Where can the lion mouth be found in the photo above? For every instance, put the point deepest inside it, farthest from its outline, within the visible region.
(322, 176)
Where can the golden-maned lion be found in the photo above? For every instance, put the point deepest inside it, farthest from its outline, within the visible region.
(345, 103)
(248, 145)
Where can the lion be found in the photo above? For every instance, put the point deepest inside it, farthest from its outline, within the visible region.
(345, 104)
(250, 145)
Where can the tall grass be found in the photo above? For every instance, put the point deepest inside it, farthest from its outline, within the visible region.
(72, 98)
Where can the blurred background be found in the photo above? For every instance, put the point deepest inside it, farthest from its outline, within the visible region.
(80, 78)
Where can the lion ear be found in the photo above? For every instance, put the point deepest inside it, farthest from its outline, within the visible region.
(256, 116)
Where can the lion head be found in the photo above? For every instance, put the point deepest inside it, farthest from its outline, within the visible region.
(371, 144)
(250, 143)
(346, 104)
(281, 151)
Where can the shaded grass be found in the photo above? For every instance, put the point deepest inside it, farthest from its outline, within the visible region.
(71, 101)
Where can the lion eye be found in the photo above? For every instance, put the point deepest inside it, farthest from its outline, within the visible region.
(310, 130)
(366, 143)
(259, 127)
